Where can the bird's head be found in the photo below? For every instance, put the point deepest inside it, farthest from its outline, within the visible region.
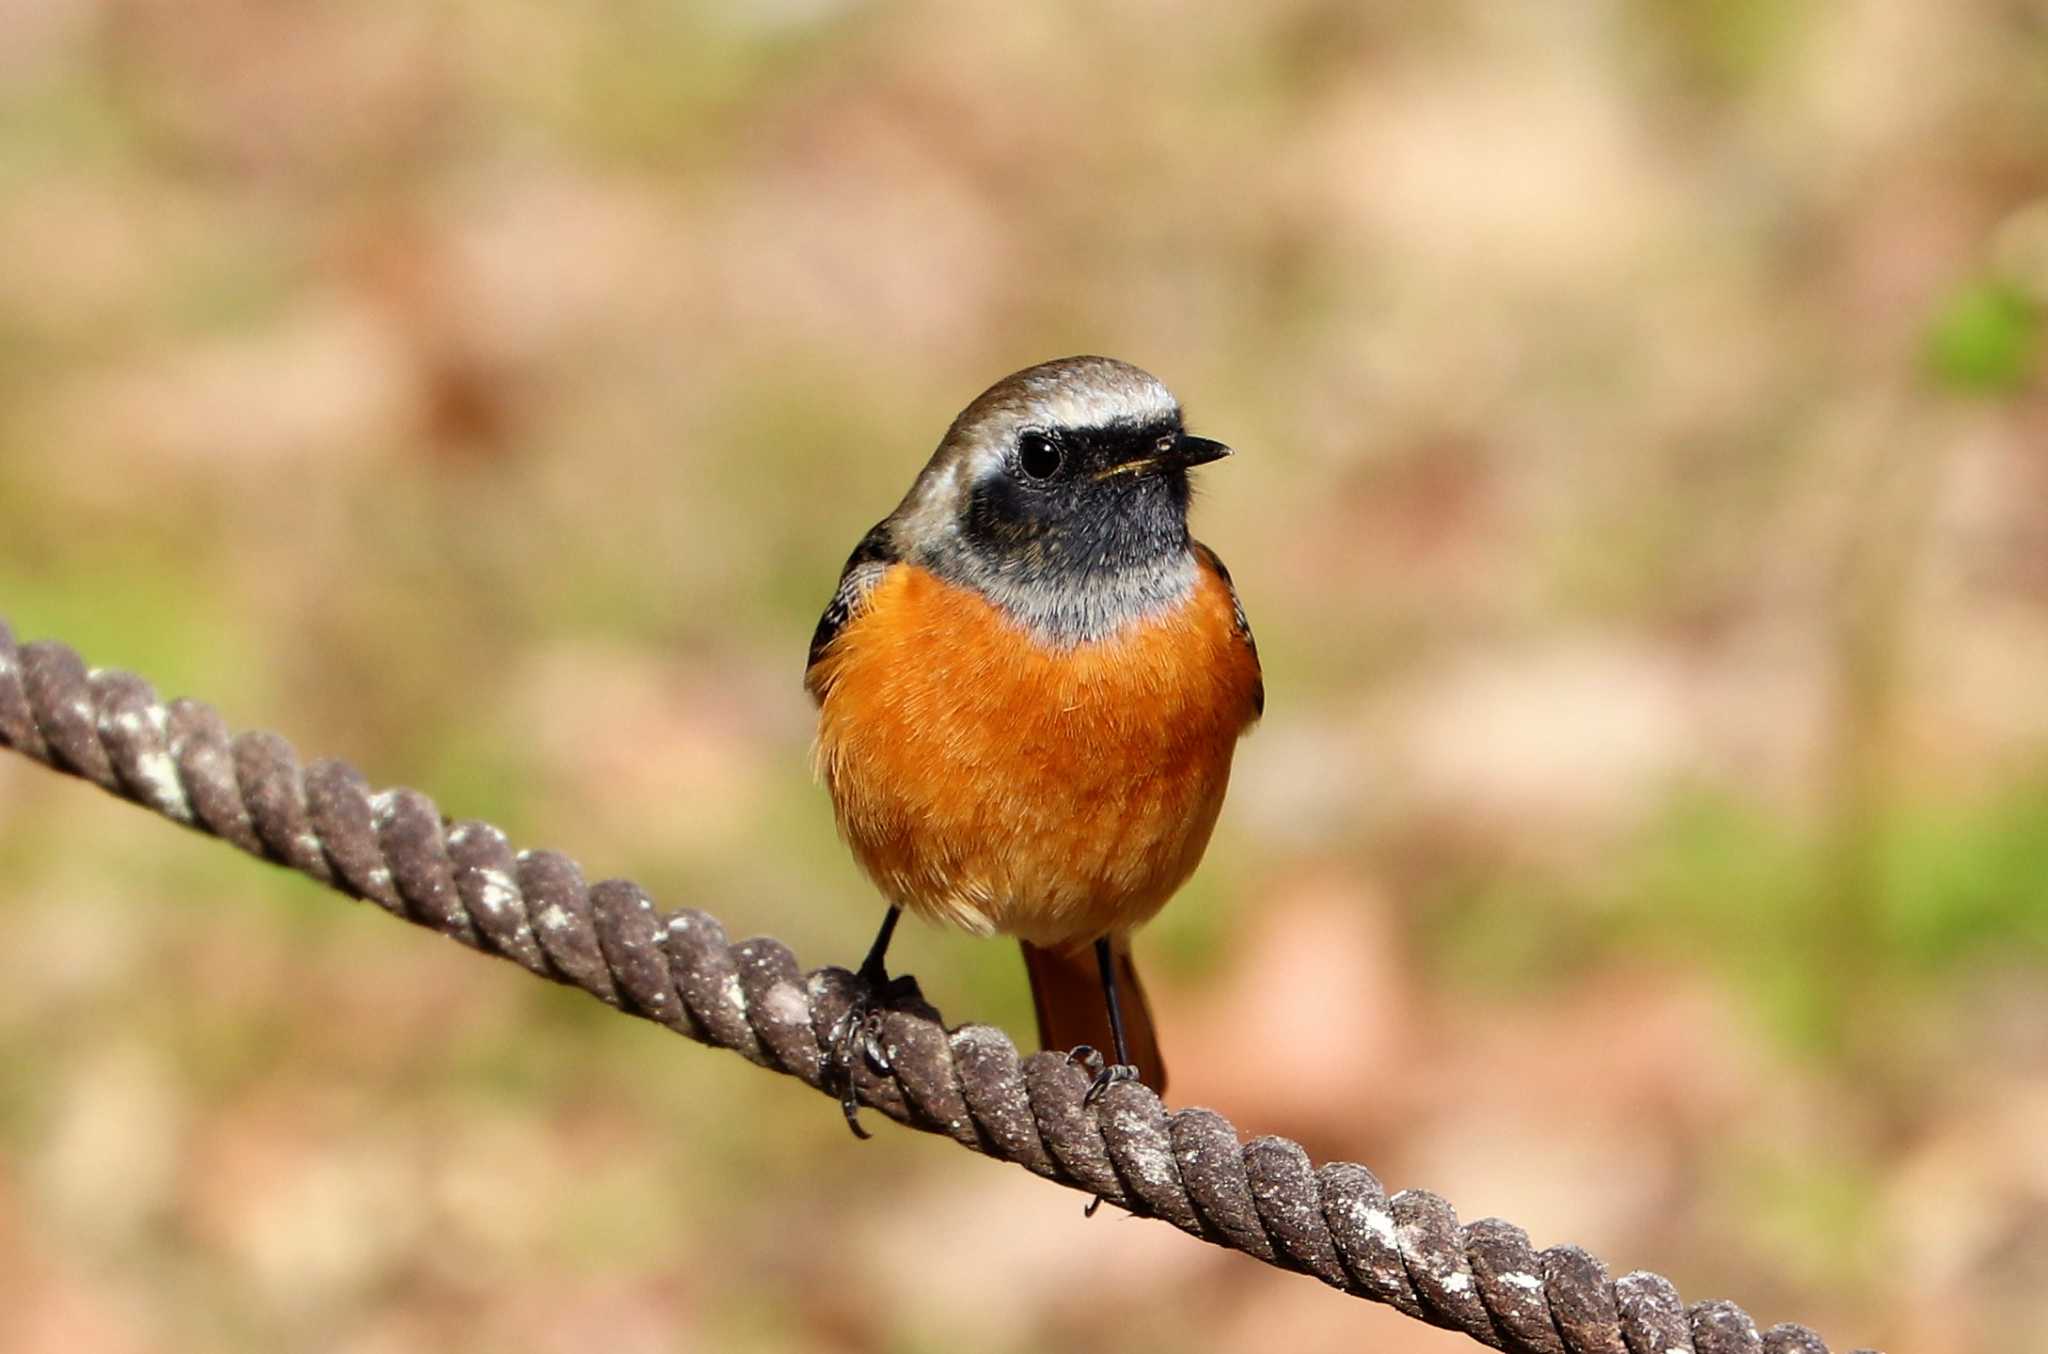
(1061, 493)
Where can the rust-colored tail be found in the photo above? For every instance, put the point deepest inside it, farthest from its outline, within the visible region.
(1066, 987)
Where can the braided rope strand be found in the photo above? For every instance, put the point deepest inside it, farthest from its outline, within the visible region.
(1189, 1167)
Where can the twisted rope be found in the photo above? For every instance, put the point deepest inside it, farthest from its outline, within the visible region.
(464, 880)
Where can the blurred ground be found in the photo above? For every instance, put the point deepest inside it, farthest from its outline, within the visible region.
(1643, 508)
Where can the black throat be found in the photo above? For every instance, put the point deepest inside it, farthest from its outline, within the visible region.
(1084, 552)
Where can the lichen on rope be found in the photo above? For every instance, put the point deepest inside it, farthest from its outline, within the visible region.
(1189, 1166)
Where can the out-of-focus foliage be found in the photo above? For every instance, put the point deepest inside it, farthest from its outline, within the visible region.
(1643, 508)
(1988, 338)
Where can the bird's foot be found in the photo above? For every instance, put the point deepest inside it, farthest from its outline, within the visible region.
(1106, 1074)
(856, 1036)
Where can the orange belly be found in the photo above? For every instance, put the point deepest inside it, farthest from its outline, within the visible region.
(1053, 795)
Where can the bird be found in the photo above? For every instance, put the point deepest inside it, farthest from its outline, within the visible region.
(1030, 683)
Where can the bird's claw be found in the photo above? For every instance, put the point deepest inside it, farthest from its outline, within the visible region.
(857, 1035)
(1106, 1074)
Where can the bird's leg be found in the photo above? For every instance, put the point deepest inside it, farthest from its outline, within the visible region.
(1122, 1069)
(858, 1033)
(875, 968)
(1090, 1057)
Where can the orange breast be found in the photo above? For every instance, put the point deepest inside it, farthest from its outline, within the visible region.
(1054, 795)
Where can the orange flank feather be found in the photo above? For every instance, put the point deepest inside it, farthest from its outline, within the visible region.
(1056, 794)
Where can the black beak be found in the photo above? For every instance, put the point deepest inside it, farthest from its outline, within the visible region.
(1178, 454)
(1191, 451)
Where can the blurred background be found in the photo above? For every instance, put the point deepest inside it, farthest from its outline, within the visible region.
(1643, 509)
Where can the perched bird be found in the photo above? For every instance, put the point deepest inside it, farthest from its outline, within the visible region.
(1030, 683)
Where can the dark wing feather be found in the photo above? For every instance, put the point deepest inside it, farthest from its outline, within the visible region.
(1243, 626)
(864, 568)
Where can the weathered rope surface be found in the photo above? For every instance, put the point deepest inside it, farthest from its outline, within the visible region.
(464, 880)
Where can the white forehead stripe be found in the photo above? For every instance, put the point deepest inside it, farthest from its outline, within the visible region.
(1095, 394)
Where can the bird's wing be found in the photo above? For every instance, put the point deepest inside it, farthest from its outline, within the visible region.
(1214, 563)
(864, 568)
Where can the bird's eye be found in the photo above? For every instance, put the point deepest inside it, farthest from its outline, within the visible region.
(1166, 444)
(1038, 455)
